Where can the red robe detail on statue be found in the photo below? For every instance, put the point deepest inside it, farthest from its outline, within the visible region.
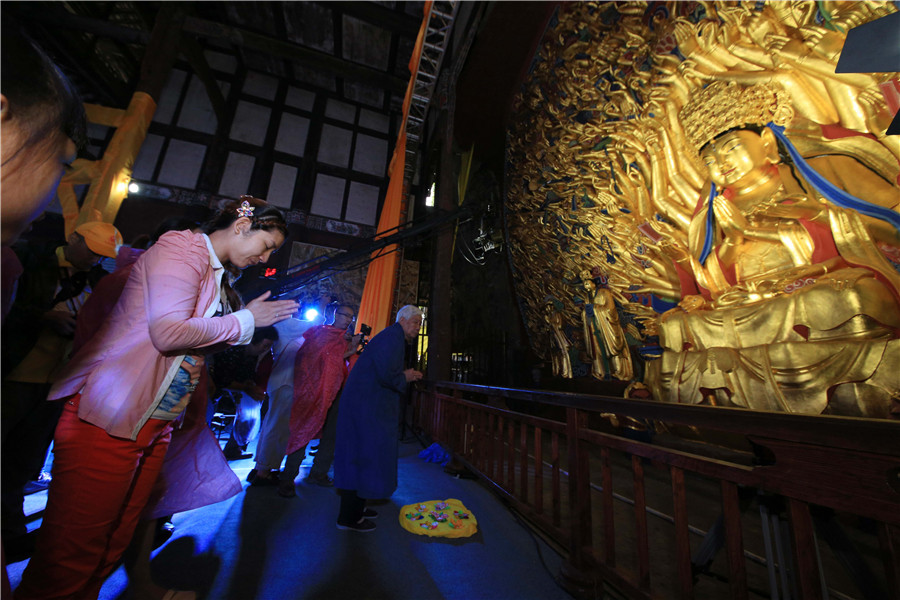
(319, 373)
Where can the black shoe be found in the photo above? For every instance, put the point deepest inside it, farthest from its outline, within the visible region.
(237, 455)
(364, 526)
(271, 479)
(286, 489)
(234, 451)
(324, 480)
(370, 514)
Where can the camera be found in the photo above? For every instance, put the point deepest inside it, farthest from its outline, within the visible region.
(365, 331)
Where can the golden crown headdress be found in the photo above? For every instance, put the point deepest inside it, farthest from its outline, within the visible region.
(721, 106)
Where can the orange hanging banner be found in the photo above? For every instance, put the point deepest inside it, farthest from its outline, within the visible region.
(381, 278)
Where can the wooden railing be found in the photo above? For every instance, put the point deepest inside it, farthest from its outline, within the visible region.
(775, 505)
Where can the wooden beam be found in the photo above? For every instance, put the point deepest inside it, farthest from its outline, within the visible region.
(67, 20)
(161, 50)
(307, 56)
(396, 21)
(192, 50)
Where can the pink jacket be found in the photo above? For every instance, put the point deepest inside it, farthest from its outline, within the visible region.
(165, 310)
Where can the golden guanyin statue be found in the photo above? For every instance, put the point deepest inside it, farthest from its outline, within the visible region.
(739, 197)
(792, 302)
(603, 334)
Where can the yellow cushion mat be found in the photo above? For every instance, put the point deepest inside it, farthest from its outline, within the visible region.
(439, 518)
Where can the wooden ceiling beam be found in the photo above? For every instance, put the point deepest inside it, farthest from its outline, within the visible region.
(392, 20)
(67, 20)
(192, 50)
(287, 50)
(346, 69)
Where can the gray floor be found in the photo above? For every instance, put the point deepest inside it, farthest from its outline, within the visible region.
(259, 545)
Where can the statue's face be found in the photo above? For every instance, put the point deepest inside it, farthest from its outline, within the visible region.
(736, 159)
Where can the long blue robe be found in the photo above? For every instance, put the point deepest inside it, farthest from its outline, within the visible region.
(366, 448)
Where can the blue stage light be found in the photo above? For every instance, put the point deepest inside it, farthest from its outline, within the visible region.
(310, 314)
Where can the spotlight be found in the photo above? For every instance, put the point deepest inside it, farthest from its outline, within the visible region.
(134, 188)
(310, 314)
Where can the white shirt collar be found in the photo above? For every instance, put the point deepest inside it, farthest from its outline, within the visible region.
(214, 261)
(218, 272)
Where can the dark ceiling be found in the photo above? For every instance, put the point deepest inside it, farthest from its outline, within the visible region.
(495, 68)
(357, 50)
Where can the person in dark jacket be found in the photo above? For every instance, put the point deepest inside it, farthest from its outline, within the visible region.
(36, 339)
(366, 451)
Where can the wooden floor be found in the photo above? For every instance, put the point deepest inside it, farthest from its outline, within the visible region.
(259, 545)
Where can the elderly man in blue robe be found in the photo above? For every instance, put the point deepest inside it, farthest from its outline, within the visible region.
(366, 449)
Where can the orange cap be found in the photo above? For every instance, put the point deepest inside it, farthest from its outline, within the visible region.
(102, 238)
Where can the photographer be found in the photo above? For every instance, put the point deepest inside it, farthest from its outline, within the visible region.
(365, 331)
(320, 370)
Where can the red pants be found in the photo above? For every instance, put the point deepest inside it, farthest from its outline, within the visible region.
(100, 487)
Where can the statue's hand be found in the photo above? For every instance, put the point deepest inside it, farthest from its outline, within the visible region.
(628, 140)
(730, 219)
(688, 68)
(872, 99)
(729, 34)
(692, 303)
(674, 249)
(776, 42)
(708, 33)
(686, 36)
(812, 35)
(731, 16)
(877, 116)
(786, 51)
(651, 139)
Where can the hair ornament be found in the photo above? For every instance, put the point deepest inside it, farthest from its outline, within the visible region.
(245, 210)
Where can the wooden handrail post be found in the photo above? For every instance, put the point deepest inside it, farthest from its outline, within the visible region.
(803, 540)
(574, 573)
(460, 425)
(889, 539)
(682, 538)
(734, 540)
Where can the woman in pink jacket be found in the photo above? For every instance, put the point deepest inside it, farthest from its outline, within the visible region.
(129, 385)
